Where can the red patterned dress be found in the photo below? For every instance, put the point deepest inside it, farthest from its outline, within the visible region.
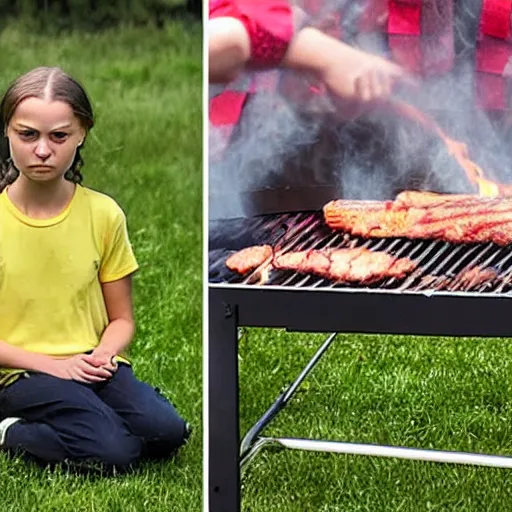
(420, 36)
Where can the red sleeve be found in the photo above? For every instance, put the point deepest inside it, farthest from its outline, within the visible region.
(269, 24)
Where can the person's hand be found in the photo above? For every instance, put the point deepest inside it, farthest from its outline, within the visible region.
(375, 78)
(358, 81)
(84, 368)
(105, 358)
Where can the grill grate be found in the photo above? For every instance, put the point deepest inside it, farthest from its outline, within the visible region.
(441, 265)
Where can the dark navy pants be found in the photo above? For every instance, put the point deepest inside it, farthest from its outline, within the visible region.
(115, 423)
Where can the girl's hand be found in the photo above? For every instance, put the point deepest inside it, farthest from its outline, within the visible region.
(105, 359)
(82, 368)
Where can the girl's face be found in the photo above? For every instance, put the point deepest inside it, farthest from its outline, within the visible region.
(43, 138)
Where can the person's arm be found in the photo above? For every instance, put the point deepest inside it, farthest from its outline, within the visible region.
(121, 327)
(15, 357)
(229, 49)
(229, 45)
(350, 74)
(82, 367)
(347, 72)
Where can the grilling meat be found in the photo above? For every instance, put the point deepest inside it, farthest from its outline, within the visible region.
(346, 265)
(477, 276)
(416, 199)
(467, 279)
(418, 215)
(249, 258)
(371, 221)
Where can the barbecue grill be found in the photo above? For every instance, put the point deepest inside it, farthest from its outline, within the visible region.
(433, 300)
(455, 290)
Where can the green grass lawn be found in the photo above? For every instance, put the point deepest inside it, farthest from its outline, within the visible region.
(146, 151)
(435, 393)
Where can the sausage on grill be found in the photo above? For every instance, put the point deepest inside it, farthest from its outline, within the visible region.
(346, 265)
(249, 258)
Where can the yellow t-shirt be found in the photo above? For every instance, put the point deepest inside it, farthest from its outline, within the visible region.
(51, 272)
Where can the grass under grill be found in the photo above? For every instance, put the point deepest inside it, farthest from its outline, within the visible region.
(432, 393)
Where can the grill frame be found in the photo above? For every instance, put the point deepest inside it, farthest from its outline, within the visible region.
(317, 310)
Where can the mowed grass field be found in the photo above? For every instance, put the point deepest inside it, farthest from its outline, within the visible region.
(145, 151)
(434, 393)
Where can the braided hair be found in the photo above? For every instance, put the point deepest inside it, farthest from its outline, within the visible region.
(48, 83)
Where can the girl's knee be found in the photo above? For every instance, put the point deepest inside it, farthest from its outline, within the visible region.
(118, 451)
(169, 427)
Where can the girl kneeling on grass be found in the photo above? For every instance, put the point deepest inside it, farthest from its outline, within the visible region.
(67, 391)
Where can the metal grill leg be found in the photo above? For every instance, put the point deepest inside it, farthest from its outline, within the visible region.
(223, 412)
(396, 452)
(246, 448)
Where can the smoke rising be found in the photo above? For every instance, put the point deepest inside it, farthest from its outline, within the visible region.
(289, 139)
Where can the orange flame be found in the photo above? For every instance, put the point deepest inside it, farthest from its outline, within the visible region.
(474, 172)
(459, 151)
